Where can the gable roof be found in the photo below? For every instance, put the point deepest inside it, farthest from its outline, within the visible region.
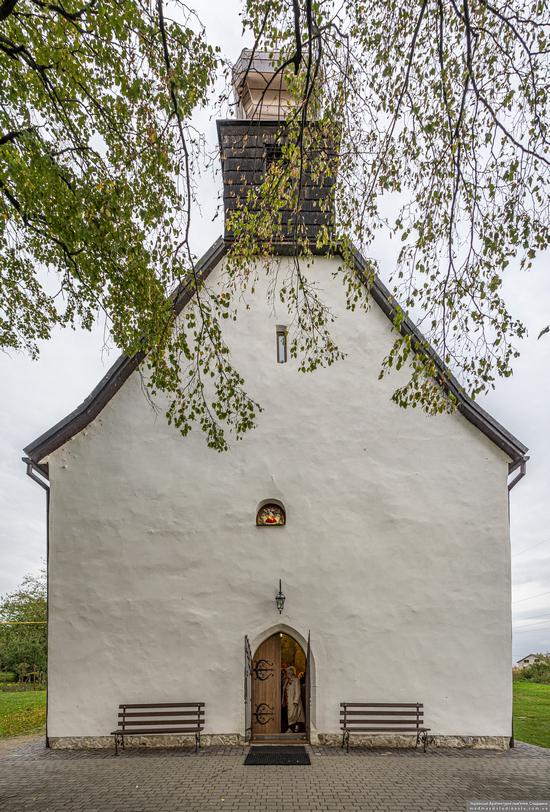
(88, 410)
(540, 654)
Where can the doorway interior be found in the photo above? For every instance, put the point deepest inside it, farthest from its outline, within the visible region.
(279, 701)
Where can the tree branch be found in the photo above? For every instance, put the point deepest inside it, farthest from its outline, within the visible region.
(68, 15)
(6, 9)
(8, 138)
(297, 59)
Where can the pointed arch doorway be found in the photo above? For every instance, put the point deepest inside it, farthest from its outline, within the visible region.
(277, 689)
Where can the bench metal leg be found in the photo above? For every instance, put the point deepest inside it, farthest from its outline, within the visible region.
(422, 736)
(118, 738)
(197, 742)
(345, 740)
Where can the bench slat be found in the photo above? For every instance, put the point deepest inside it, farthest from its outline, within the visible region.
(159, 730)
(161, 713)
(385, 722)
(379, 713)
(366, 723)
(381, 704)
(351, 723)
(160, 722)
(388, 729)
(166, 705)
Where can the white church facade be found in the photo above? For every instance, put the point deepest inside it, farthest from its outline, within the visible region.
(386, 530)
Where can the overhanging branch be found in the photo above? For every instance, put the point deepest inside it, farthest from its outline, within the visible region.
(6, 8)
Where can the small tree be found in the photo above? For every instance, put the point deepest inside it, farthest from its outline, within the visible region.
(23, 631)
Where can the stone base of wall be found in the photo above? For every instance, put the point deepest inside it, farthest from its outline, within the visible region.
(102, 742)
(377, 741)
(380, 740)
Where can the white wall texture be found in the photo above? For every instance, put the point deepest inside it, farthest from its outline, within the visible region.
(395, 553)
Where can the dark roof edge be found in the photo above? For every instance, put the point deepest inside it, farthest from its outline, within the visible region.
(117, 374)
(124, 366)
(471, 410)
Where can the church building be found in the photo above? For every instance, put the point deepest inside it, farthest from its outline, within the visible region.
(346, 550)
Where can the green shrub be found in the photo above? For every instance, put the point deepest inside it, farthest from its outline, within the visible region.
(7, 676)
(15, 687)
(538, 672)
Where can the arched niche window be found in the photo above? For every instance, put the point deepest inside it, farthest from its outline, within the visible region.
(271, 514)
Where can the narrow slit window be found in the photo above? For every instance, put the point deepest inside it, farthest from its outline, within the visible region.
(282, 342)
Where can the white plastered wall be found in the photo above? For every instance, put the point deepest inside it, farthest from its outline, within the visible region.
(395, 554)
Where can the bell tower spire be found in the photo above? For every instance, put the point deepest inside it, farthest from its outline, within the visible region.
(254, 140)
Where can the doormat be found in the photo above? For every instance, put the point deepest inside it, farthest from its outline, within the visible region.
(268, 756)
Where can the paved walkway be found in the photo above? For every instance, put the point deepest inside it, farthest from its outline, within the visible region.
(33, 778)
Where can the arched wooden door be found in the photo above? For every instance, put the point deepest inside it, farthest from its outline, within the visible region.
(267, 715)
(266, 688)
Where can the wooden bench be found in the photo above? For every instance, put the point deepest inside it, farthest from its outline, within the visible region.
(383, 717)
(159, 718)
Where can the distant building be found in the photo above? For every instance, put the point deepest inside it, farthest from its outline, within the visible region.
(532, 658)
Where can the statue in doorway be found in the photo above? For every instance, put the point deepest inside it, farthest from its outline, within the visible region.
(293, 696)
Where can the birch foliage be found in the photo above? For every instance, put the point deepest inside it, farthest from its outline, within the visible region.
(437, 105)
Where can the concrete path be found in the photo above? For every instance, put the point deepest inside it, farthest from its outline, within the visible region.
(34, 778)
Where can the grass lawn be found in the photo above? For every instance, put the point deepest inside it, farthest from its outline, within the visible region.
(22, 712)
(532, 713)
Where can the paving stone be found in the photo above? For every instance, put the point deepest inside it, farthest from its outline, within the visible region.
(32, 777)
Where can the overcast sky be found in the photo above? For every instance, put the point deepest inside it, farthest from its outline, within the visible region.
(35, 395)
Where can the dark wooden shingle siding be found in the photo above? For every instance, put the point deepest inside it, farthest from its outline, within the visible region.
(243, 148)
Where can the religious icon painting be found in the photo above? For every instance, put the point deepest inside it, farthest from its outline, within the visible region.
(270, 515)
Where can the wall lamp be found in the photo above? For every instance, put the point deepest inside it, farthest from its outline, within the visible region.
(280, 599)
